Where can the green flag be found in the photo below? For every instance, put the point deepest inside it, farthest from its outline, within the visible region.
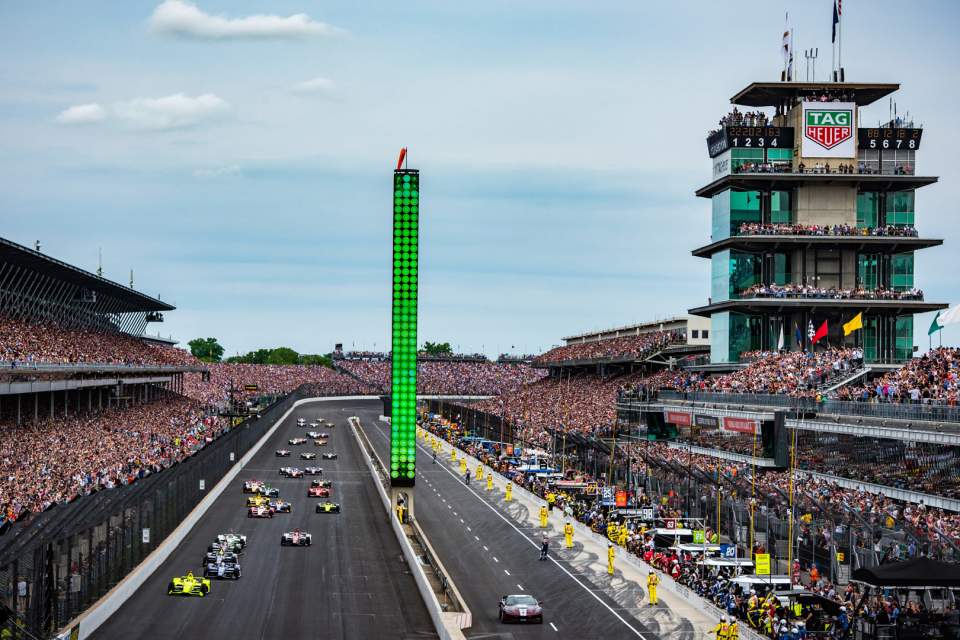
(934, 326)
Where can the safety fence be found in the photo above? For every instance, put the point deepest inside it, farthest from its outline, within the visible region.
(56, 564)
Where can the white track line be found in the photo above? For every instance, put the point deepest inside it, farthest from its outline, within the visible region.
(554, 627)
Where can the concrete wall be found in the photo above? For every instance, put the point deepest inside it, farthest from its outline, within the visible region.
(701, 324)
(826, 205)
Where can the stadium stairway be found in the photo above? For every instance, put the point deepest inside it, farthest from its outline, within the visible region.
(843, 380)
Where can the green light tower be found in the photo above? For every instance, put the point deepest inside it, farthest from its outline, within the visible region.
(403, 385)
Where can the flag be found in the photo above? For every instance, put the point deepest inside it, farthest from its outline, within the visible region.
(797, 333)
(821, 332)
(836, 20)
(935, 325)
(810, 331)
(780, 341)
(854, 324)
(950, 316)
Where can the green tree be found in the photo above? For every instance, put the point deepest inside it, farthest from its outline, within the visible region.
(316, 359)
(283, 355)
(206, 349)
(437, 348)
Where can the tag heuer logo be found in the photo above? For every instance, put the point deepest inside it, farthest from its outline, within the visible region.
(828, 128)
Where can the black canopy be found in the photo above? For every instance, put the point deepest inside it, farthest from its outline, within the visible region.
(919, 572)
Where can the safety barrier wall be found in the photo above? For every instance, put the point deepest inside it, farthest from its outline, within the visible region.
(666, 582)
(448, 625)
(103, 608)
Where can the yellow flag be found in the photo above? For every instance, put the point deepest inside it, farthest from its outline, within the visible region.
(853, 325)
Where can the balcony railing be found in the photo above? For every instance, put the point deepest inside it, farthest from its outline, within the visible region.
(800, 292)
(839, 231)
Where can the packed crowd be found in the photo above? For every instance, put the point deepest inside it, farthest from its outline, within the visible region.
(638, 346)
(736, 118)
(830, 293)
(932, 378)
(25, 343)
(447, 377)
(106, 449)
(758, 229)
(824, 167)
(269, 379)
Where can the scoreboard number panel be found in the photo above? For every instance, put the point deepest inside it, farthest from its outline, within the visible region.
(750, 138)
(889, 139)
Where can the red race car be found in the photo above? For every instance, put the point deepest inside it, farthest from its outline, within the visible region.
(318, 492)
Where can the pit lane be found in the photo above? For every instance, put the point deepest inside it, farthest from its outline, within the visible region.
(352, 583)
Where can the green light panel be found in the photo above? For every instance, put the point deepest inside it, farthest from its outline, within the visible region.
(403, 385)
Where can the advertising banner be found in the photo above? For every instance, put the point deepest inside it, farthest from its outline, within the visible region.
(621, 498)
(710, 422)
(739, 425)
(679, 418)
(829, 130)
(721, 165)
(607, 496)
(762, 564)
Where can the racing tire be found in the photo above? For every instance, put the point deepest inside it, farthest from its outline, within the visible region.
(170, 589)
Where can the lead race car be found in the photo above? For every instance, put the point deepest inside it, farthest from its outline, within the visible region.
(301, 422)
(188, 585)
(520, 608)
(296, 538)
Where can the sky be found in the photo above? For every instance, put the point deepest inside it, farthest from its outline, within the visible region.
(237, 155)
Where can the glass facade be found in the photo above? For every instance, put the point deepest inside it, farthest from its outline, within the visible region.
(888, 271)
(781, 212)
(900, 208)
(734, 208)
(732, 272)
(893, 335)
(733, 334)
(875, 210)
(901, 276)
(868, 209)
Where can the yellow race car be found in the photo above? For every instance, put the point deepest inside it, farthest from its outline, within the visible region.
(188, 585)
(258, 501)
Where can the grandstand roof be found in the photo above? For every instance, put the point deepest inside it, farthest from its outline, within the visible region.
(628, 329)
(772, 94)
(787, 181)
(13, 253)
(884, 244)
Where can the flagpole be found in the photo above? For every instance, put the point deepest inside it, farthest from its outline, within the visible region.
(840, 38)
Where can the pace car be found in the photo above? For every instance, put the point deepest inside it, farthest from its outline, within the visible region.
(322, 483)
(188, 585)
(258, 501)
(283, 453)
(309, 456)
(260, 512)
(330, 455)
(296, 441)
(252, 486)
(313, 434)
(234, 542)
(328, 507)
(313, 471)
(281, 506)
(296, 538)
(520, 608)
(291, 472)
(318, 492)
(321, 442)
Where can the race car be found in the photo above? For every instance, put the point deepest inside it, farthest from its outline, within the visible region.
(520, 608)
(320, 443)
(291, 472)
(225, 568)
(313, 434)
(252, 486)
(188, 585)
(322, 483)
(324, 435)
(262, 511)
(328, 507)
(313, 471)
(314, 424)
(234, 542)
(301, 422)
(330, 455)
(270, 492)
(213, 557)
(308, 456)
(296, 538)
(318, 492)
(258, 501)
(283, 453)
(281, 506)
(296, 441)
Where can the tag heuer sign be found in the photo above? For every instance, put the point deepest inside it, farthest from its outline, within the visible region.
(828, 130)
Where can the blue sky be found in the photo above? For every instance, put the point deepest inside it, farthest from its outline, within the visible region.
(241, 168)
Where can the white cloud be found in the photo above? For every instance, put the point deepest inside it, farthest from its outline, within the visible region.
(314, 86)
(218, 172)
(185, 19)
(82, 114)
(177, 111)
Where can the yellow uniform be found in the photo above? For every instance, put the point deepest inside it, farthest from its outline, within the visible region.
(551, 500)
(611, 554)
(544, 514)
(489, 482)
(479, 472)
(733, 632)
(508, 494)
(652, 581)
(463, 465)
(568, 535)
(622, 537)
